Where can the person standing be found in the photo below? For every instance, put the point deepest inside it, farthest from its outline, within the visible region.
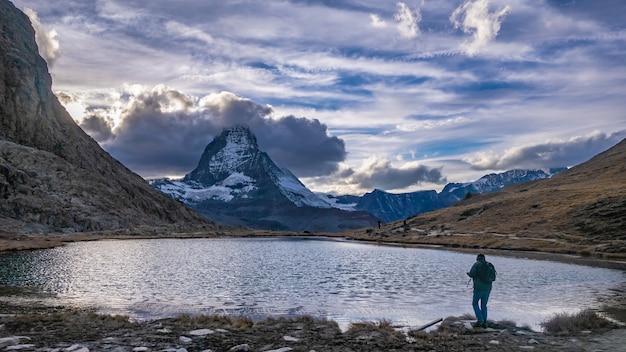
(483, 274)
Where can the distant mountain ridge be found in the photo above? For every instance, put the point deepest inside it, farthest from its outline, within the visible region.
(235, 183)
(392, 207)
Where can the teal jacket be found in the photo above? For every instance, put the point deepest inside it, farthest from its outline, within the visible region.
(479, 285)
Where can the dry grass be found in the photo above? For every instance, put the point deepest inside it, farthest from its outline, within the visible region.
(575, 323)
(360, 327)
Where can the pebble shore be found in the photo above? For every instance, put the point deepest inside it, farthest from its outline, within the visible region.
(79, 331)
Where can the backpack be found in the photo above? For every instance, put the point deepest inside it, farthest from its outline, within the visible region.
(487, 273)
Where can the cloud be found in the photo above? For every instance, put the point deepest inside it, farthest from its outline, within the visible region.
(182, 30)
(49, 47)
(380, 173)
(377, 22)
(549, 154)
(473, 17)
(408, 21)
(162, 132)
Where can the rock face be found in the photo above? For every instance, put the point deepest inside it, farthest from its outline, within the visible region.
(237, 184)
(53, 176)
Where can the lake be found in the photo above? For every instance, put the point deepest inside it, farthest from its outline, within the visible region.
(339, 280)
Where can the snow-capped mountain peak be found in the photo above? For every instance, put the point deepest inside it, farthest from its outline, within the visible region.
(240, 148)
(233, 168)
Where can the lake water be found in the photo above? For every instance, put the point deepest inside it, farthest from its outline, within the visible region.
(343, 281)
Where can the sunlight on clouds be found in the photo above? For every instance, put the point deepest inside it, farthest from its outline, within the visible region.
(473, 17)
(47, 41)
(408, 21)
(74, 105)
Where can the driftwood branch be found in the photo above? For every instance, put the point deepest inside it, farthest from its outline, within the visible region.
(430, 324)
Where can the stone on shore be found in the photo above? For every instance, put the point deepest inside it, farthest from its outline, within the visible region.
(201, 332)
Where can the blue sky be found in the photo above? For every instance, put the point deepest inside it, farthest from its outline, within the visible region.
(349, 95)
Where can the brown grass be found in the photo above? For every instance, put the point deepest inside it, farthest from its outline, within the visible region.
(575, 323)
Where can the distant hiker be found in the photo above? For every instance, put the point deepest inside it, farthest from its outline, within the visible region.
(483, 274)
(379, 222)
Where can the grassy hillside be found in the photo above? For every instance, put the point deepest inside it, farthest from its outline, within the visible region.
(580, 211)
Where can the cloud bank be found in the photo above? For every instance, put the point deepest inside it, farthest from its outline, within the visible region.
(166, 130)
(380, 173)
(549, 154)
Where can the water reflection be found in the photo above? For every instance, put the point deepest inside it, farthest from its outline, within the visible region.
(343, 281)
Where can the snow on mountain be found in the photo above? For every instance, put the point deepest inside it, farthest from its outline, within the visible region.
(236, 184)
(494, 182)
(231, 168)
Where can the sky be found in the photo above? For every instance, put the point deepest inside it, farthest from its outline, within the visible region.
(348, 95)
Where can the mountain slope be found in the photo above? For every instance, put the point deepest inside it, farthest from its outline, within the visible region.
(581, 210)
(237, 184)
(53, 176)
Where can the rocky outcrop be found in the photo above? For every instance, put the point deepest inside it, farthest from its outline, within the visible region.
(53, 176)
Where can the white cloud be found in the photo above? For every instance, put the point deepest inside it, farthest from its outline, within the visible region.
(47, 41)
(430, 124)
(473, 17)
(552, 153)
(377, 22)
(408, 21)
(182, 30)
(377, 172)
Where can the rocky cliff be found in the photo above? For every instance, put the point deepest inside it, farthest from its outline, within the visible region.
(53, 176)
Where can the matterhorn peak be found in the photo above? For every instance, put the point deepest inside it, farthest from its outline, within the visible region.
(235, 183)
(234, 150)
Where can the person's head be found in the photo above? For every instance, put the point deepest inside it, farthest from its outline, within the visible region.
(480, 257)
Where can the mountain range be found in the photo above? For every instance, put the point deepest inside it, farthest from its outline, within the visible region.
(390, 207)
(237, 184)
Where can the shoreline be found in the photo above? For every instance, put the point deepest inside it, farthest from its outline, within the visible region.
(48, 241)
(62, 329)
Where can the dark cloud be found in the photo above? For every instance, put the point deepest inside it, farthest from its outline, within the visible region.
(381, 174)
(163, 132)
(302, 145)
(549, 154)
(98, 127)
